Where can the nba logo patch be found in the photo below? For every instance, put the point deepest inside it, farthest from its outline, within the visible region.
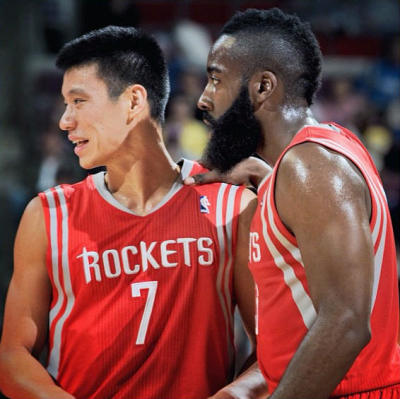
(204, 204)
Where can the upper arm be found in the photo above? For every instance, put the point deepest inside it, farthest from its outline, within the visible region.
(242, 279)
(324, 200)
(28, 297)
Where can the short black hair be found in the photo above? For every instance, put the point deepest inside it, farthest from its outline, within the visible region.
(124, 56)
(279, 42)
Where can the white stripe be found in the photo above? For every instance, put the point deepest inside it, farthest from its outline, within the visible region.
(186, 168)
(378, 259)
(221, 241)
(54, 361)
(378, 196)
(228, 222)
(299, 294)
(54, 255)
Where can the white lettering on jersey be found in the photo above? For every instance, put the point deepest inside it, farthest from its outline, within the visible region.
(203, 259)
(254, 250)
(186, 251)
(111, 263)
(90, 265)
(146, 255)
(115, 263)
(125, 260)
(165, 252)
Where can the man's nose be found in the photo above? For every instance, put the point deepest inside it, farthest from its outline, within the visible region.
(67, 120)
(204, 102)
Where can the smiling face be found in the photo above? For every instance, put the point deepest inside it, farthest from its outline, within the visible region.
(96, 123)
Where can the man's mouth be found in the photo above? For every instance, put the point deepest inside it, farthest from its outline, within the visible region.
(208, 119)
(79, 142)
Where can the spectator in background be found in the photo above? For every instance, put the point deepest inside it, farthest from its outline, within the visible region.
(185, 136)
(341, 102)
(55, 162)
(381, 83)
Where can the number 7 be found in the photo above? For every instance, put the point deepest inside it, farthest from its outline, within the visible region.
(151, 286)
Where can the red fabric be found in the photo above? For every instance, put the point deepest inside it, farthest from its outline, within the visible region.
(183, 254)
(391, 392)
(285, 310)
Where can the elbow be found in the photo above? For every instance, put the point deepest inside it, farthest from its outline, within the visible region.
(357, 330)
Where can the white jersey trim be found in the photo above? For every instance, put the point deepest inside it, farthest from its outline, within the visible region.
(54, 356)
(378, 197)
(186, 167)
(222, 282)
(101, 187)
(228, 223)
(299, 294)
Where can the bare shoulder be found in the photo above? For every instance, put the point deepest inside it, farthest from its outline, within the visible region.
(34, 209)
(28, 298)
(249, 198)
(248, 205)
(311, 177)
(31, 239)
(308, 160)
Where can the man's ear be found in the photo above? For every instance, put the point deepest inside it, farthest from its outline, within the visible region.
(262, 87)
(136, 99)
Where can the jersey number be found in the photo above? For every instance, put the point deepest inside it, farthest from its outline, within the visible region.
(151, 286)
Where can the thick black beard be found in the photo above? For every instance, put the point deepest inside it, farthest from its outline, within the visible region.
(236, 134)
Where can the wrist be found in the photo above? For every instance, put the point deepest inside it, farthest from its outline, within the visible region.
(259, 170)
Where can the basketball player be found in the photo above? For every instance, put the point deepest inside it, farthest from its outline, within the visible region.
(322, 246)
(129, 277)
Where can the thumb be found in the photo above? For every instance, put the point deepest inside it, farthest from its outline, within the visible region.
(195, 179)
(203, 178)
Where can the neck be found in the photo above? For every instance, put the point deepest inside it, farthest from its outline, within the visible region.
(279, 129)
(144, 174)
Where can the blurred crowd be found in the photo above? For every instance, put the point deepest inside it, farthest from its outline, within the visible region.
(360, 90)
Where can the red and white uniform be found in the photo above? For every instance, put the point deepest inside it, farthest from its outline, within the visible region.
(142, 306)
(285, 310)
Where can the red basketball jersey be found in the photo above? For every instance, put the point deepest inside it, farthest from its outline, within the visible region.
(142, 306)
(285, 310)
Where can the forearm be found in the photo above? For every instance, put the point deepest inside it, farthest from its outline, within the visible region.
(248, 385)
(22, 376)
(322, 360)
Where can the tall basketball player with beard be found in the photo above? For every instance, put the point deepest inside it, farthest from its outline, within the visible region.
(322, 247)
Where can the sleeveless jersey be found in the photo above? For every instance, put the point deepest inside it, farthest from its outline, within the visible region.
(285, 311)
(142, 306)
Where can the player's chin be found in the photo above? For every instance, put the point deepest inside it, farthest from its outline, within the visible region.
(88, 164)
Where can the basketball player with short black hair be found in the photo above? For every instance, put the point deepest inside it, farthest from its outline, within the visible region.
(129, 277)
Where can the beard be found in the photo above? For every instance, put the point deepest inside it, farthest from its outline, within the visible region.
(235, 135)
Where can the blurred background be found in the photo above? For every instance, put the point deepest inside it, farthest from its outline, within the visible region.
(360, 41)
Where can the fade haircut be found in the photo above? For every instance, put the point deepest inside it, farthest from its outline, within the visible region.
(124, 56)
(281, 43)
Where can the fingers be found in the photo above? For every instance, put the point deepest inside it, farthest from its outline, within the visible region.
(204, 178)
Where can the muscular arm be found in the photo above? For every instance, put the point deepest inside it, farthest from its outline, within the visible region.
(26, 315)
(323, 199)
(250, 384)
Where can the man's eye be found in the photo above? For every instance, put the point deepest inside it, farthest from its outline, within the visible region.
(78, 100)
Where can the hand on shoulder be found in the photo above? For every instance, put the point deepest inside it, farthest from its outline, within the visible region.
(248, 172)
